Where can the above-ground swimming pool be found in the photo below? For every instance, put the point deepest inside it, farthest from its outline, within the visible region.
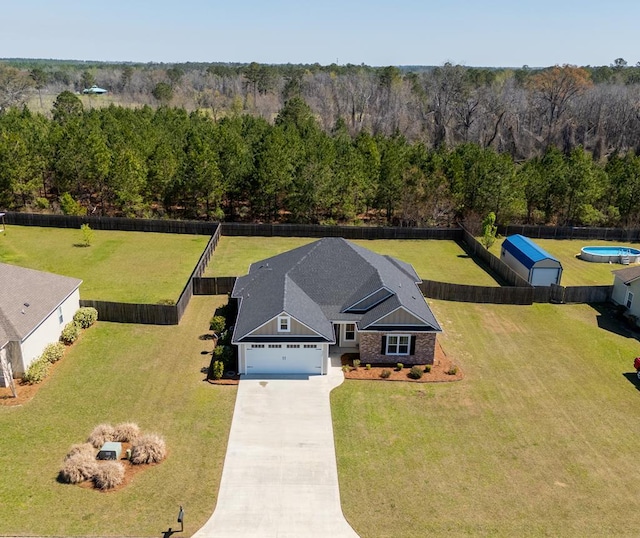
(614, 254)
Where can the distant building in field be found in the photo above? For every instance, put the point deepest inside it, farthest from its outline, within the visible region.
(95, 90)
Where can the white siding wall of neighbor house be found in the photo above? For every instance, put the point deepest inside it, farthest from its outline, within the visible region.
(48, 331)
(620, 295)
(3, 355)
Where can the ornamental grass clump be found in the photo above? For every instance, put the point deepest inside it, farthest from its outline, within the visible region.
(82, 449)
(101, 434)
(127, 432)
(148, 448)
(415, 372)
(385, 374)
(77, 468)
(108, 475)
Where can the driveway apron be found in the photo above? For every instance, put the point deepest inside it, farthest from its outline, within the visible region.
(280, 477)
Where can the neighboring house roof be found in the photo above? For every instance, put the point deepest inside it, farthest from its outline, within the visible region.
(628, 275)
(329, 280)
(526, 251)
(27, 298)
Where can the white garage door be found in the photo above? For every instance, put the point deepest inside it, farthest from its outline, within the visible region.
(284, 360)
(544, 276)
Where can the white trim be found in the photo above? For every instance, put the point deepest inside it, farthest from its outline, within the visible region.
(397, 345)
(355, 332)
(276, 335)
(403, 324)
(287, 319)
(391, 294)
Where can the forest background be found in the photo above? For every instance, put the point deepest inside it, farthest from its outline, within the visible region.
(414, 146)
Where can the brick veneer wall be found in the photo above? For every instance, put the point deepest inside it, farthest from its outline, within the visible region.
(371, 344)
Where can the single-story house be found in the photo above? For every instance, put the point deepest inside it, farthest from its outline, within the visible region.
(34, 308)
(331, 292)
(626, 288)
(531, 262)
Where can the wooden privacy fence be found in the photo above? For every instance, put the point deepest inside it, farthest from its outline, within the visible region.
(477, 294)
(213, 285)
(197, 272)
(500, 268)
(348, 232)
(515, 294)
(155, 314)
(150, 314)
(518, 291)
(113, 223)
(571, 232)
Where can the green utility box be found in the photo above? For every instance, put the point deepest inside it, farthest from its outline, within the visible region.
(110, 451)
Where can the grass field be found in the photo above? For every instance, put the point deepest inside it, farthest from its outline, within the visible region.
(540, 438)
(576, 272)
(133, 267)
(432, 259)
(116, 373)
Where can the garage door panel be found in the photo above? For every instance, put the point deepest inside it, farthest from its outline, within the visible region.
(284, 361)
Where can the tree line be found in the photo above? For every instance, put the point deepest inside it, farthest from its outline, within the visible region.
(166, 161)
(516, 111)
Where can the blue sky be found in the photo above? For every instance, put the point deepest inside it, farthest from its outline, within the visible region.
(404, 32)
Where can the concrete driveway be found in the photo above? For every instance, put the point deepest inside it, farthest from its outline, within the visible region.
(280, 477)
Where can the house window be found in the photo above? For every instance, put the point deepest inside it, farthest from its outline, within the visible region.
(350, 331)
(284, 324)
(60, 316)
(629, 299)
(398, 344)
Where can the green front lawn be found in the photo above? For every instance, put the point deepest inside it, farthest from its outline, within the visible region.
(540, 439)
(131, 267)
(432, 259)
(576, 272)
(119, 373)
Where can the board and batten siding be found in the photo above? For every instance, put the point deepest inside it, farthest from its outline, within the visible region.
(271, 328)
(399, 317)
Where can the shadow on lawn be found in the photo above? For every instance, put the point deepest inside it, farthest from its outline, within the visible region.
(632, 377)
(468, 254)
(608, 319)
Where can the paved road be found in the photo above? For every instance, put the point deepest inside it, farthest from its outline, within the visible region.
(280, 477)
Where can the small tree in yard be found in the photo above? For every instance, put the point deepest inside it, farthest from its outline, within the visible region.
(87, 235)
(489, 230)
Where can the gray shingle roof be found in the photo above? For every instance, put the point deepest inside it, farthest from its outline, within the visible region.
(317, 282)
(27, 298)
(629, 274)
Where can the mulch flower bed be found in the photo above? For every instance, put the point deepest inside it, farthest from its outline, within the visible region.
(438, 374)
